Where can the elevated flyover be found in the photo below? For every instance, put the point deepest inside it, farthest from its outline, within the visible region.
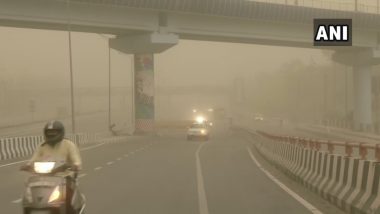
(210, 20)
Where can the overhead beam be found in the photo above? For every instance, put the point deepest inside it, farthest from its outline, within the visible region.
(125, 21)
(144, 43)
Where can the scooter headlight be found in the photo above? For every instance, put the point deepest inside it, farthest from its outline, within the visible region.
(43, 167)
(203, 131)
(55, 195)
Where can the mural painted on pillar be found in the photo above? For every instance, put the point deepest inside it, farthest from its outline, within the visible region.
(144, 92)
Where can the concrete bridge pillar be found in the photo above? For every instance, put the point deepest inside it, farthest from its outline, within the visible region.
(362, 60)
(144, 46)
(144, 93)
(362, 98)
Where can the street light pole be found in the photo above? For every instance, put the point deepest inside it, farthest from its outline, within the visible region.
(109, 81)
(325, 96)
(71, 69)
(345, 95)
(133, 118)
(356, 5)
(109, 86)
(73, 128)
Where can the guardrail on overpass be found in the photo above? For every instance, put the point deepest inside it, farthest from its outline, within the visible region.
(18, 147)
(364, 6)
(349, 149)
(351, 183)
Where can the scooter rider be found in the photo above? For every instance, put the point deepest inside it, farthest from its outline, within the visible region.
(57, 147)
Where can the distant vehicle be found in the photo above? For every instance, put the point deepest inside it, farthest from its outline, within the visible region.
(202, 120)
(198, 130)
(258, 118)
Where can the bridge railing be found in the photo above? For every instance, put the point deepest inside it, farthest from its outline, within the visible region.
(366, 151)
(364, 6)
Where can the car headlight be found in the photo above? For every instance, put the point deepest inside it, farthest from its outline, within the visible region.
(203, 131)
(200, 119)
(44, 167)
(55, 194)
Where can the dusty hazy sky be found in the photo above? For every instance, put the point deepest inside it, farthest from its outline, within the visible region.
(39, 58)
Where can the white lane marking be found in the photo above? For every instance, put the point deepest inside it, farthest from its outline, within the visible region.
(10, 164)
(84, 149)
(126, 155)
(202, 199)
(98, 168)
(119, 159)
(306, 204)
(17, 201)
(92, 147)
(109, 163)
(82, 175)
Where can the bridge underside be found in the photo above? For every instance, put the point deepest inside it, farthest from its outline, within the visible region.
(242, 21)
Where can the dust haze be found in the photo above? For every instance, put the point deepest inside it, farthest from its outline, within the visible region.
(274, 81)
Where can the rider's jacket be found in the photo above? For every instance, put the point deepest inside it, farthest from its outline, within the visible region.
(65, 150)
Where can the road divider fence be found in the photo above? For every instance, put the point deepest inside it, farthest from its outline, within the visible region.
(348, 181)
(18, 147)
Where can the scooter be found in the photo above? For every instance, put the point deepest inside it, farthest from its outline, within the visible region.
(47, 190)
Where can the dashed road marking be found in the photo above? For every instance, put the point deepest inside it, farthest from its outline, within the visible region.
(82, 175)
(202, 198)
(92, 147)
(98, 168)
(306, 204)
(109, 163)
(10, 164)
(119, 159)
(126, 155)
(17, 201)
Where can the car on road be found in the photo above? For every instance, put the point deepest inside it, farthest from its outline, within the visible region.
(258, 117)
(198, 130)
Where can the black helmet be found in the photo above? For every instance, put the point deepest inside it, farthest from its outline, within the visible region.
(54, 132)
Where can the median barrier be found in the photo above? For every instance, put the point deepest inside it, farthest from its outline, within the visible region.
(18, 147)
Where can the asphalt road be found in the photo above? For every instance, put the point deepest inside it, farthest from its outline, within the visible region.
(168, 175)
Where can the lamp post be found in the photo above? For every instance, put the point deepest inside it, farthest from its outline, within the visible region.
(109, 86)
(345, 96)
(356, 5)
(73, 128)
(108, 37)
